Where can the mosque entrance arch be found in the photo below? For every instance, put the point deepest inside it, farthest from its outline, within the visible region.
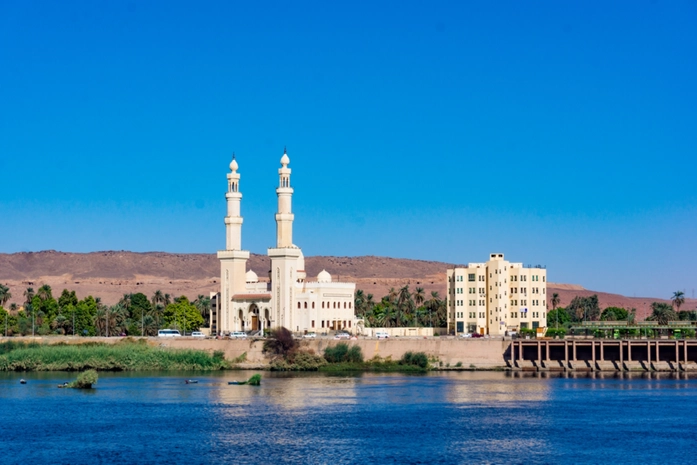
(254, 317)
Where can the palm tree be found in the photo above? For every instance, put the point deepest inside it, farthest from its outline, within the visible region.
(419, 296)
(203, 305)
(158, 297)
(167, 299)
(28, 295)
(156, 313)
(405, 305)
(126, 301)
(13, 307)
(44, 292)
(5, 295)
(392, 295)
(678, 299)
(359, 302)
(150, 325)
(662, 313)
(555, 301)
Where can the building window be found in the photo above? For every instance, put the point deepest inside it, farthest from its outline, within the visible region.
(322, 304)
(349, 304)
(313, 323)
(322, 323)
(298, 304)
(313, 305)
(305, 304)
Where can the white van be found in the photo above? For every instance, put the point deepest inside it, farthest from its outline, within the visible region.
(382, 334)
(238, 335)
(168, 333)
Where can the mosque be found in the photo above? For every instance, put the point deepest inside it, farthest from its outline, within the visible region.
(288, 298)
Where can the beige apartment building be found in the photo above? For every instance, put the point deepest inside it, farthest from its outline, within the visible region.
(496, 297)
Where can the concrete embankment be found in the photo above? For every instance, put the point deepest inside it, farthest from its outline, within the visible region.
(477, 353)
(471, 353)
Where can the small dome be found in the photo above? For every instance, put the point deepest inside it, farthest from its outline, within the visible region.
(233, 164)
(324, 277)
(284, 159)
(251, 277)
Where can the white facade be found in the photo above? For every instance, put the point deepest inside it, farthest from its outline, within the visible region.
(496, 297)
(287, 299)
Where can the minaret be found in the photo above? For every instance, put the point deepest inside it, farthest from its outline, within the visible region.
(233, 220)
(285, 256)
(233, 260)
(284, 216)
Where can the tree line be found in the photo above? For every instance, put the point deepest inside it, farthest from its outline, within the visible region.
(587, 309)
(401, 307)
(134, 315)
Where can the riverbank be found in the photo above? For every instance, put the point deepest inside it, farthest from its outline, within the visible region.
(444, 352)
(125, 355)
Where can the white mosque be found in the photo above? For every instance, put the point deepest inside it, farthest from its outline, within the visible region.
(288, 299)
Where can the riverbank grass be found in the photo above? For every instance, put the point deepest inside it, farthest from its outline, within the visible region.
(127, 355)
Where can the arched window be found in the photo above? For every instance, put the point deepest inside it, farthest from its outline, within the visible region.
(344, 304)
(334, 304)
(305, 304)
(349, 304)
(322, 307)
(298, 304)
(313, 305)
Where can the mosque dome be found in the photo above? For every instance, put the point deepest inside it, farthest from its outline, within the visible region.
(233, 164)
(324, 277)
(251, 277)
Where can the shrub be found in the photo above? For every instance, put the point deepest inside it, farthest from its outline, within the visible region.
(280, 342)
(301, 361)
(354, 355)
(337, 353)
(414, 358)
(561, 332)
(85, 380)
(458, 365)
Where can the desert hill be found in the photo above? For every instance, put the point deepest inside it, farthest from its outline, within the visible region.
(111, 274)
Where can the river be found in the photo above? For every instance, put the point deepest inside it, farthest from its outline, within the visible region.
(454, 417)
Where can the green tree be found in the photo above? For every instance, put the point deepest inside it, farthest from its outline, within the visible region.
(678, 299)
(44, 292)
(614, 314)
(555, 301)
(183, 315)
(5, 295)
(203, 304)
(584, 308)
(28, 295)
(558, 316)
(67, 298)
(662, 313)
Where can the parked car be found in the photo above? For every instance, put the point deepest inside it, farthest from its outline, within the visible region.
(476, 335)
(238, 335)
(465, 335)
(382, 334)
(197, 334)
(310, 336)
(342, 336)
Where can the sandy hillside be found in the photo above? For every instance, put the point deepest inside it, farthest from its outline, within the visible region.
(111, 274)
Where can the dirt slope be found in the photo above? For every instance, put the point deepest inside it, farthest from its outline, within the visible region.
(111, 274)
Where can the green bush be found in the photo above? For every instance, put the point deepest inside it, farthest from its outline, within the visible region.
(337, 353)
(560, 333)
(85, 380)
(419, 359)
(301, 361)
(354, 355)
(688, 333)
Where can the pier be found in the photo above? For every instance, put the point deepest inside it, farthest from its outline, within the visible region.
(603, 355)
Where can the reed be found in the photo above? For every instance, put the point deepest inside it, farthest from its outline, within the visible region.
(106, 357)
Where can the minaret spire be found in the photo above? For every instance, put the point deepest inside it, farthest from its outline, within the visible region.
(233, 219)
(284, 216)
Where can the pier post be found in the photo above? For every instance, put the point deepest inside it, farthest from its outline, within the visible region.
(566, 354)
(629, 350)
(685, 351)
(547, 357)
(648, 353)
(592, 355)
(539, 354)
(677, 354)
(520, 355)
(573, 350)
(621, 355)
(602, 350)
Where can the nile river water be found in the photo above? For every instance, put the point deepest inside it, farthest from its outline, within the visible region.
(317, 418)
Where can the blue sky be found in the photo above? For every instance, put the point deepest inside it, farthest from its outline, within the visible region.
(559, 133)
